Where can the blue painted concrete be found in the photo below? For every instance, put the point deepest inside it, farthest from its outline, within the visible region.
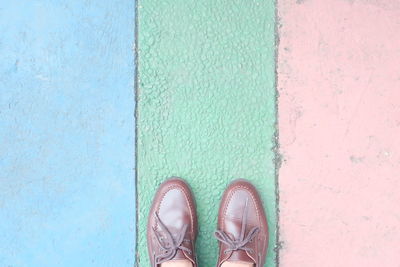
(67, 190)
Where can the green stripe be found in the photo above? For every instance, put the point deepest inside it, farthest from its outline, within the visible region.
(206, 106)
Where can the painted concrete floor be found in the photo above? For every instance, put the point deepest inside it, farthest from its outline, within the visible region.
(220, 86)
(206, 107)
(339, 128)
(66, 133)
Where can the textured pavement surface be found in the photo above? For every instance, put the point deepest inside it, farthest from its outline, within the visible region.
(206, 112)
(206, 106)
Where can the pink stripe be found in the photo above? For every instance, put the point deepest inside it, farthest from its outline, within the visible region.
(339, 125)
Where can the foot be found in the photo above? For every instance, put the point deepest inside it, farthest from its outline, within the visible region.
(237, 264)
(177, 263)
(242, 227)
(172, 226)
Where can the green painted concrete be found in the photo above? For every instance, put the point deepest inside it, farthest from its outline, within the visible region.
(206, 106)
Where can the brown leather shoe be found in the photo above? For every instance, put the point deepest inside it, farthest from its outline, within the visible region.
(172, 225)
(242, 226)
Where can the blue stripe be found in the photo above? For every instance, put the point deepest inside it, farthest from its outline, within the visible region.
(67, 133)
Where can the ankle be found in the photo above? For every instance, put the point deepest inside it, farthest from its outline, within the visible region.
(237, 264)
(177, 263)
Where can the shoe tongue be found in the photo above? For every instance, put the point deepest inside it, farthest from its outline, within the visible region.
(240, 255)
(179, 255)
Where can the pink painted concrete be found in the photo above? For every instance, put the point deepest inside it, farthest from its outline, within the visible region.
(339, 123)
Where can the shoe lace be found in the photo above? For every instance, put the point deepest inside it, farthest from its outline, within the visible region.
(171, 246)
(238, 244)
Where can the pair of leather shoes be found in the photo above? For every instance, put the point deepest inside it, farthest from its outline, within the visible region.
(172, 227)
